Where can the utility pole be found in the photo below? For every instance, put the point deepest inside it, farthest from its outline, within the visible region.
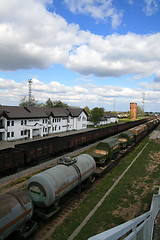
(143, 99)
(29, 91)
(114, 104)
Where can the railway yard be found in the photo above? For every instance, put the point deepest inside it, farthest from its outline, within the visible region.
(119, 195)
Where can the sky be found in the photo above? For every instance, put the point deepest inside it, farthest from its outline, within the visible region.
(95, 53)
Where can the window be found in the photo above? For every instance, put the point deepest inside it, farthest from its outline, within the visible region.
(21, 122)
(12, 123)
(8, 134)
(12, 134)
(59, 128)
(21, 133)
(79, 118)
(8, 123)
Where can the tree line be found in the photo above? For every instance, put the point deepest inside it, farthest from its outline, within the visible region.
(94, 115)
(49, 103)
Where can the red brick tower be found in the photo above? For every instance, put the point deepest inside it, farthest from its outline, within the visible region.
(133, 110)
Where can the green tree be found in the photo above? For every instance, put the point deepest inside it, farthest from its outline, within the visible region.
(59, 104)
(140, 111)
(24, 102)
(88, 111)
(96, 115)
(49, 103)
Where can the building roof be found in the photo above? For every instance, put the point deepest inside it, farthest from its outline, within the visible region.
(74, 112)
(109, 115)
(18, 112)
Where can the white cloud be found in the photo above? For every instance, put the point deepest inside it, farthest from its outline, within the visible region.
(32, 37)
(117, 55)
(76, 95)
(98, 9)
(152, 6)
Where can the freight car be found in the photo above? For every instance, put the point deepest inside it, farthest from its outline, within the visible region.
(36, 150)
(16, 210)
(106, 150)
(10, 160)
(126, 138)
(109, 148)
(31, 153)
(48, 187)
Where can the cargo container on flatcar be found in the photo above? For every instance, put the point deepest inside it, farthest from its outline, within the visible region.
(126, 138)
(106, 150)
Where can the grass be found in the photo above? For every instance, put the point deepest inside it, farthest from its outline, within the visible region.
(135, 189)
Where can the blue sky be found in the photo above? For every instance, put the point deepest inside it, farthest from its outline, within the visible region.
(103, 53)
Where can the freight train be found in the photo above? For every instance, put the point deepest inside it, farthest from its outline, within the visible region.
(44, 190)
(31, 153)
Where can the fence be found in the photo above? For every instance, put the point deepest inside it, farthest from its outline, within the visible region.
(140, 228)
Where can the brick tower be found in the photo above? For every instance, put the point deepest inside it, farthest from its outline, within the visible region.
(133, 110)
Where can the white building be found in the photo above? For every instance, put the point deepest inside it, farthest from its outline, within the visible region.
(106, 119)
(28, 122)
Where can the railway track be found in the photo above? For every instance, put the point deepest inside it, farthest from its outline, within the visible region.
(4, 181)
(70, 202)
(47, 227)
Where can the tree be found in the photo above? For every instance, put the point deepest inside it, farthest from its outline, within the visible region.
(140, 111)
(59, 104)
(88, 111)
(24, 102)
(49, 103)
(96, 114)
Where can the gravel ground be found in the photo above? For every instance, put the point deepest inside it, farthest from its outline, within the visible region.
(40, 167)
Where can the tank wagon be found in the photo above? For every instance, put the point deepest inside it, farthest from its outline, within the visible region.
(45, 189)
(36, 150)
(31, 153)
(106, 150)
(48, 187)
(16, 210)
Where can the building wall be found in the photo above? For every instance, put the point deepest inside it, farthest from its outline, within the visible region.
(28, 128)
(133, 110)
(81, 121)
